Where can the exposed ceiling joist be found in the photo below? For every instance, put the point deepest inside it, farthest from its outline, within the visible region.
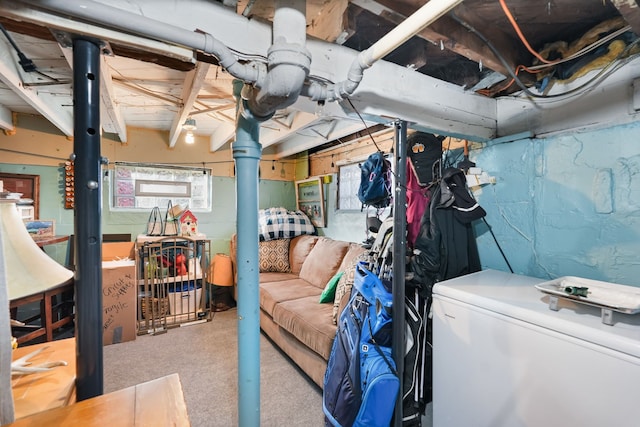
(6, 119)
(303, 142)
(444, 33)
(222, 134)
(192, 85)
(110, 115)
(630, 12)
(269, 137)
(42, 102)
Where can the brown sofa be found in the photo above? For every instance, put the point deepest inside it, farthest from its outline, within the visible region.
(290, 311)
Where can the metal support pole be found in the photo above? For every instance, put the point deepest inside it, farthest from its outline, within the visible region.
(246, 153)
(87, 215)
(399, 254)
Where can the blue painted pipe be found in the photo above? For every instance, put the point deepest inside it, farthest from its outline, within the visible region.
(246, 153)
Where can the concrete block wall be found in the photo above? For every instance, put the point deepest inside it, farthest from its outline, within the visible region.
(565, 205)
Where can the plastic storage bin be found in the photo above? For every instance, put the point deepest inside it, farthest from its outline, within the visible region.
(185, 298)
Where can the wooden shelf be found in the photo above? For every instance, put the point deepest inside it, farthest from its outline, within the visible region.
(158, 403)
(45, 390)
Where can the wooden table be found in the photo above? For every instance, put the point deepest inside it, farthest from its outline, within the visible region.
(49, 240)
(157, 403)
(45, 390)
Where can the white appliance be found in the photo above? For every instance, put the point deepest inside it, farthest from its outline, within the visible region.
(502, 357)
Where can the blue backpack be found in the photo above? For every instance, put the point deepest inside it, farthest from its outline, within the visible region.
(375, 181)
(361, 383)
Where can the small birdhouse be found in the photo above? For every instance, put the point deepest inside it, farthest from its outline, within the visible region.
(188, 224)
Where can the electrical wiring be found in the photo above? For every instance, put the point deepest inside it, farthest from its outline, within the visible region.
(539, 68)
(496, 52)
(604, 72)
(596, 79)
(364, 123)
(547, 63)
(582, 51)
(520, 35)
(26, 153)
(27, 64)
(490, 92)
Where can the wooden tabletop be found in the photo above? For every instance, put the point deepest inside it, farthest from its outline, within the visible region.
(45, 390)
(157, 403)
(49, 240)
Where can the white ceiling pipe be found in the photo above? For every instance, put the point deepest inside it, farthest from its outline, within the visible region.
(289, 61)
(112, 17)
(415, 23)
(420, 19)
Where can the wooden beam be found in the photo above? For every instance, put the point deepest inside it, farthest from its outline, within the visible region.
(6, 120)
(221, 135)
(110, 115)
(445, 33)
(44, 103)
(630, 11)
(326, 20)
(192, 84)
(301, 120)
(324, 17)
(303, 142)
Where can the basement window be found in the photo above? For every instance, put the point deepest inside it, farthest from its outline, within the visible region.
(142, 186)
(349, 183)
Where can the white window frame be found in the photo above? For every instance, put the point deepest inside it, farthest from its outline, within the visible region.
(349, 182)
(139, 187)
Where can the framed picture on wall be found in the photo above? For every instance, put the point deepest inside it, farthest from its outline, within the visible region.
(310, 200)
(41, 228)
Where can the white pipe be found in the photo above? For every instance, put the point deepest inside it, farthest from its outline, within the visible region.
(415, 23)
(289, 61)
(290, 22)
(112, 17)
(420, 19)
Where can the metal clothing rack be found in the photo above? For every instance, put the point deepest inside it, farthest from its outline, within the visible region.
(399, 253)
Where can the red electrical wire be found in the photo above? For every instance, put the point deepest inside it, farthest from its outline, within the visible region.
(519, 32)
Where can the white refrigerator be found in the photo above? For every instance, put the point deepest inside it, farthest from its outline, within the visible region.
(502, 357)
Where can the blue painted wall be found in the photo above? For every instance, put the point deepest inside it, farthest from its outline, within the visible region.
(567, 205)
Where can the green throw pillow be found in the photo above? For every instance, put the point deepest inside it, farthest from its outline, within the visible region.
(329, 292)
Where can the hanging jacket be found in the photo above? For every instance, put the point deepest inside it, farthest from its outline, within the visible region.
(446, 246)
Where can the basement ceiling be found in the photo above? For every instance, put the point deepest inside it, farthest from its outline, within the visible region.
(473, 50)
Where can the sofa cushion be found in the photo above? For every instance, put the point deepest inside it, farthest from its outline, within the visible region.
(309, 322)
(274, 256)
(299, 249)
(323, 261)
(343, 288)
(355, 250)
(276, 277)
(271, 293)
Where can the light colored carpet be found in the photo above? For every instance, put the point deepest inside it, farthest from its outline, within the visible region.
(206, 358)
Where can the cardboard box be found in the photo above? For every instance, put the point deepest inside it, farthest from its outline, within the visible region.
(118, 301)
(114, 251)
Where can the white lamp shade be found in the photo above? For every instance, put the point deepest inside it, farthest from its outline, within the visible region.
(28, 268)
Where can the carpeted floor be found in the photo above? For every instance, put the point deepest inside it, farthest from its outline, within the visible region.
(206, 358)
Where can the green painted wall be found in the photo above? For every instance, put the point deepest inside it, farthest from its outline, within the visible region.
(219, 224)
